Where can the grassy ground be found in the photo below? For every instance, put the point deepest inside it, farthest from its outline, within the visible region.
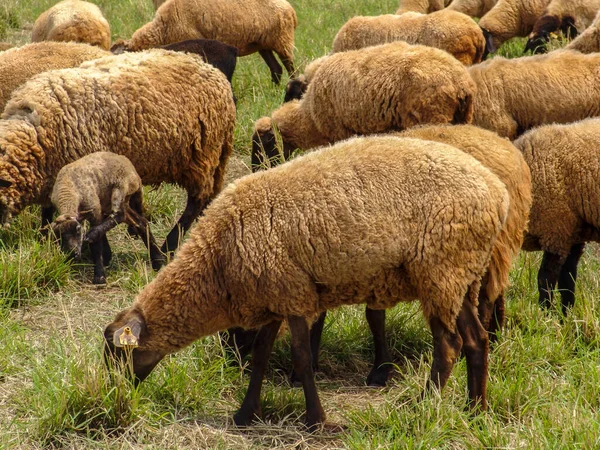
(544, 388)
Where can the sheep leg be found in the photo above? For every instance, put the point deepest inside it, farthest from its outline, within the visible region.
(382, 365)
(106, 251)
(274, 66)
(476, 349)
(261, 351)
(302, 360)
(548, 276)
(96, 249)
(497, 320)
(238, 341)
(193, 208)
(139, 225)
(288, 62)
(98, 231)
(568, 277)
(446, 348)
(316, 331)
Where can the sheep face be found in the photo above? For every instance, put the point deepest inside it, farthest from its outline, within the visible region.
(543, 29)
(265, 151)
(295, 89)
(70, 234)
(124, 344)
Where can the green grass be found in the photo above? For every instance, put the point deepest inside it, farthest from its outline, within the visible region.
(544, 387)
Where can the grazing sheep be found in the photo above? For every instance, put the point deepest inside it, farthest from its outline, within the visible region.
(128, 104)
(566, 196)
(263, 26)
(296, 87)
(376, 89)
(374, 220)
(514, 95)
(421, 6)
(472, 8)
(569, 16)
(215, 53)
(104, 189)
(454, 32)
(72, 20)
(589, 40)
(18, 65)
(510, 18)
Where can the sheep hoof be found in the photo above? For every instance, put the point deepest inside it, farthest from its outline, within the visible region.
(99, 280)
(244, 418)
(377, 378)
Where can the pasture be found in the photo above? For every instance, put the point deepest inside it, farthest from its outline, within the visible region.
(544, 385)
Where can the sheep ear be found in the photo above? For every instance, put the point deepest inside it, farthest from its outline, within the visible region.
(568, 27)
(129, 335)
(5, 183)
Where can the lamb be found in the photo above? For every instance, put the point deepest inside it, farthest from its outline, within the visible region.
(589, 40)
(263, 26)
(510, 18)
(376, 89)
(104, 189)
(421, 6)
(373, 220)
(451, 31)
(564, 216)
(473, 8)
(128, 104)
(72, 20)
(561, 86)
(20, 64)
(571, 17)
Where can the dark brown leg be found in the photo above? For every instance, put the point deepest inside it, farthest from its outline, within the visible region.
(287, 63)
(193, 208)
(139, 225)
(568, 277)
(96, 249)
(274, 66)
(548, 276)
(238, 341)
(497, 320)
(263, 344)
(97, 232)
(302, 360)
(316, 331)
(382, 364)
(476, 349)
(446, 348)
(106, 251)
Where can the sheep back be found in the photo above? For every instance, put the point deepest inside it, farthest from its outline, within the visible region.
(563, 160)
(17, 65)
(73, 20)
(473, 8)
(138, 105)
(451, 31)
(421, 6)
(514, 95)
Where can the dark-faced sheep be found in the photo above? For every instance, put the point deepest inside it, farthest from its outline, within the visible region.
(377, 89)
(104, 189)
(73, 21)
(128, 104)
(263, 26)
(374, 220)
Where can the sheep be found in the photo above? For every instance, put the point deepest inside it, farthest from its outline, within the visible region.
(514, 95)
(510, 18)
(104, 189)
(376, 89)
(215, 53)
(563, 160)
(454, 32)
(72, 20)
(263, 26)
(421, 6)
(128, 104)
(373, 220)
(157, 3)
(589, 40)
(473, 8)
(296, 87)
(17, 65)
(569, 16)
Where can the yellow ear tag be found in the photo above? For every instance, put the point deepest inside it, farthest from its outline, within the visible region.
(554, 35)
(127, 339)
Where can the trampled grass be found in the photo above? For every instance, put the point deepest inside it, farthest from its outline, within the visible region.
(544, 387)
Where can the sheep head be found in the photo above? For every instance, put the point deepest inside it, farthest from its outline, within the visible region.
(490, 45)
(295, 89)
(544, 29)
(124, 341)
(120, 46)
(265, 149)
(68, 230)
